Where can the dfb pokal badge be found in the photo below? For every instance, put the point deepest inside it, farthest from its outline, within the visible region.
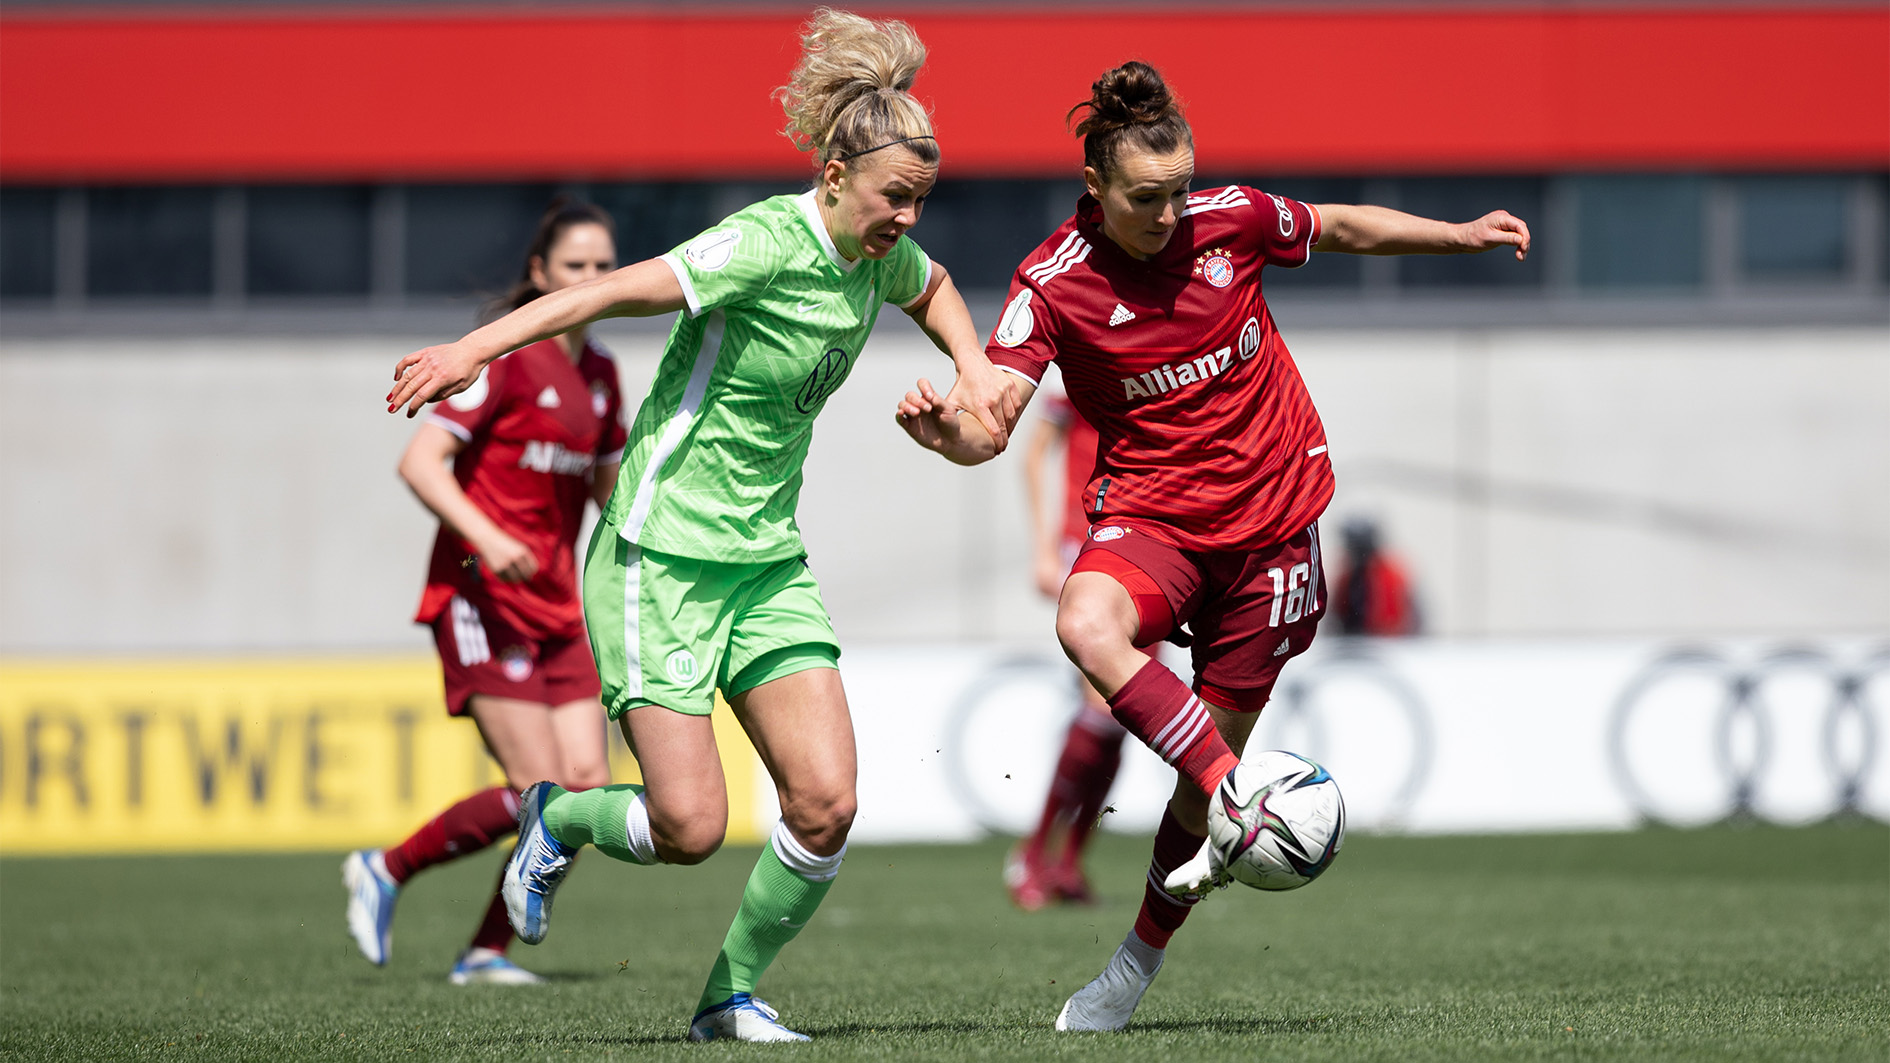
(1216, 267)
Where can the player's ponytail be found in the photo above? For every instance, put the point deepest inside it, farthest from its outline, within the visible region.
(849, 97)
(563, 213)
(1129, 105)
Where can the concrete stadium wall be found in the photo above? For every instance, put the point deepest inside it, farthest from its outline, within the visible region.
(227, 493)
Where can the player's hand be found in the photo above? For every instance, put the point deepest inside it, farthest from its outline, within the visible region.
(431, 375)
(507, 558)
(981, 389)
(926, 417)
(1498, 228)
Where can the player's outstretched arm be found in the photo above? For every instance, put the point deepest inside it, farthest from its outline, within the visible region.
(639, 290)
(942, 313)
(1367, 230)
(937, 423)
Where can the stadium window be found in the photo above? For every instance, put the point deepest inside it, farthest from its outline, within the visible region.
(469, 239)
(148, 241)
(1459, 199)
(1793, 228)
(26, 241)
(981, 229)
(308, 240)
(1639, 232)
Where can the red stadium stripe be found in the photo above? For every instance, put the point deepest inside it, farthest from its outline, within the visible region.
(344, 95)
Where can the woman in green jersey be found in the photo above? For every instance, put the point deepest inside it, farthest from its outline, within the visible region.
(696, 580)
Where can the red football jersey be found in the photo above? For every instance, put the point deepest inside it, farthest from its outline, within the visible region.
(1079, 464)
(1205, 425)
(535, 424)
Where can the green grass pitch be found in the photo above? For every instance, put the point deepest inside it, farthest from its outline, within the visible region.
(1721, 944)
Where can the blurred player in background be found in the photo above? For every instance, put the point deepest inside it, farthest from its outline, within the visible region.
(697, 578)
(1372, 595)
(507, 465)
(1040, 871)
(1211, 468)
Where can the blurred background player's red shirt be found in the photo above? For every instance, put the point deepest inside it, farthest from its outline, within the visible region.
(534, 426)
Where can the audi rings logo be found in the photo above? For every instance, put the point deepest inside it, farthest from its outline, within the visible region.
(1786, 736)
(1348, 708)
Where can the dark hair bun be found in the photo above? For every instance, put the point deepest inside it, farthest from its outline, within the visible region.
(1131, 94)
(1129, 106)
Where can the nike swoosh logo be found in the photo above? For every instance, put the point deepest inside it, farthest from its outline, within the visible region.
(805, 307)
(793, 926)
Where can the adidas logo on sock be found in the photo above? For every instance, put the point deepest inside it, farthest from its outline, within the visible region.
(548, 398)
(1286, 646)
(1121, 314)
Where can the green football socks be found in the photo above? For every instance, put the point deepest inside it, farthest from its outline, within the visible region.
(783, 892)
(611, 819)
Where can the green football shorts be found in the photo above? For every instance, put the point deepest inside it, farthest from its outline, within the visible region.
(669, 630)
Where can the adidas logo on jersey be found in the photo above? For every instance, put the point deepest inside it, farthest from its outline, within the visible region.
(1176, 375)
(1286, 646)
(1121, 314)
(548, 398)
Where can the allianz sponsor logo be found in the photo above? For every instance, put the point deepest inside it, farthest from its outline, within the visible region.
(554, 458)
(1181, 374)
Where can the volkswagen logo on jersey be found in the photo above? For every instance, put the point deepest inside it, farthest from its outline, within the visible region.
(824, 380)
(1215, 267)
(712, 250)
(1014, 327)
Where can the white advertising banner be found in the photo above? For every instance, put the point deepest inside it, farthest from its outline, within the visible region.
(1423, 736)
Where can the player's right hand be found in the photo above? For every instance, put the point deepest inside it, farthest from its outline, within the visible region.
(433, 374)
(507, 558)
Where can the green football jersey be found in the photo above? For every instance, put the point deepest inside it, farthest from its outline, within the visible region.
(775, 320)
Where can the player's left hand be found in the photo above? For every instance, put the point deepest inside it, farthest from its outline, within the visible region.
(1498, 228)
(928, 419)
(433, 374)
(981, 389)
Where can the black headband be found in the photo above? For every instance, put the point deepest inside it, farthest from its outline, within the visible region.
(888, 144)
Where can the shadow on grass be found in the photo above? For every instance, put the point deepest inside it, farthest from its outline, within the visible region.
(1232, 1026)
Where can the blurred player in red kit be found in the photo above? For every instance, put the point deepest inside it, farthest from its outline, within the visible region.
(1211, 466)
(1039, 872)
(534, 439)
(1372, 595)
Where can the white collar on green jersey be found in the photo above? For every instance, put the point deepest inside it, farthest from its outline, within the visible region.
(811, 211)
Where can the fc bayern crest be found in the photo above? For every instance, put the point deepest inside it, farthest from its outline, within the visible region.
(1215, 267)
(516, 663)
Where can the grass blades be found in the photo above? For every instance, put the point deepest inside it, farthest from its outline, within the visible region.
(1723, 944)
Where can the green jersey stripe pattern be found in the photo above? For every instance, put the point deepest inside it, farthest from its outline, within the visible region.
(776, 320)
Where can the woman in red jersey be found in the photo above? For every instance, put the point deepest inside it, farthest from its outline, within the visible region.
(1211, 469)
(507, 465)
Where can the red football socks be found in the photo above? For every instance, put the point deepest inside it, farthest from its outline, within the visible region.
(1163, 913)
(1158, 708)
(466, 827)
(1092, 752)
(495, 931)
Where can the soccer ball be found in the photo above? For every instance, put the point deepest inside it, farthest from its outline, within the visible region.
(1277, 821)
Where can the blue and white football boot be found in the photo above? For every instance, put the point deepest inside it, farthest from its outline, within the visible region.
(371, 896)
(538, 865)
(479, 966)
(741, 1017)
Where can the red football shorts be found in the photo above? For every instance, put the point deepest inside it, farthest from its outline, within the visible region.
(482, 655)
(1249, 611)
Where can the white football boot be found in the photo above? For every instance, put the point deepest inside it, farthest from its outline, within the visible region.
(1108, 1002)
(538, 864)
(1203, 871)
(741, 1017)
(479, 966)
(371, 896)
